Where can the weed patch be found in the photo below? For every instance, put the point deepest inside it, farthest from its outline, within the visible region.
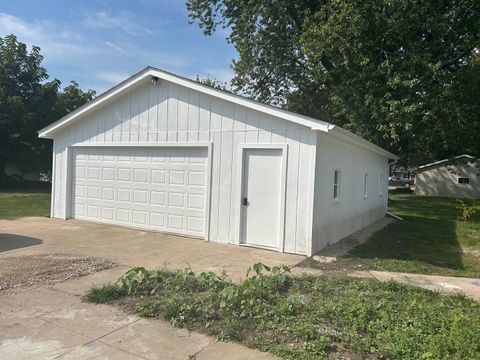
(308, 317)
(104, 294)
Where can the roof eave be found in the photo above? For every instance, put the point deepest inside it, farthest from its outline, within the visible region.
(355, 139)
(426, 166)
(314, 124)
(48, 132)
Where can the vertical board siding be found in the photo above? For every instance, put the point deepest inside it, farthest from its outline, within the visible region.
(334, 221)
(169, 113)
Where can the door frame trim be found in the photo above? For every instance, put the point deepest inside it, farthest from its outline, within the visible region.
(283, 190)
(69, 162)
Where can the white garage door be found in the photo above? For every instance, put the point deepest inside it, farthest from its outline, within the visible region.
(162, 189)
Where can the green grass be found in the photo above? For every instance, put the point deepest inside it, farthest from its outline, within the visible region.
(308, 317)
(104, 294)
(24, 202)
(431, 240)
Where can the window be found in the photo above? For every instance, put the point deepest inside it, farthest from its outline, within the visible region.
(365, 185)
(464, 180)
(381, 185)
(336, 184)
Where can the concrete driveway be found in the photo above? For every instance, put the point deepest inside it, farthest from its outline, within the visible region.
(53, 322)
(33, 236)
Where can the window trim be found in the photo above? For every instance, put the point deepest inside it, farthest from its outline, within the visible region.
(463, 178)
(381, 180)
(365, 185)
(336, 185)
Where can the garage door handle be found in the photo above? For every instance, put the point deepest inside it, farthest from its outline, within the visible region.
(245, 201)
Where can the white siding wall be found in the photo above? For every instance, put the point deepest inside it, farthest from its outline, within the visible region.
(334, 221)
(169, 113)
(443, 181)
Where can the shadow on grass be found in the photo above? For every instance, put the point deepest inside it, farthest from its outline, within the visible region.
(427, 235)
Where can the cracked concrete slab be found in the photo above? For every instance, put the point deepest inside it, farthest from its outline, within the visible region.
(221, 351)
(54, 321)
(33, 338)
(157, 340)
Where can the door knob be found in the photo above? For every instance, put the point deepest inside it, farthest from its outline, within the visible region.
(245, 201)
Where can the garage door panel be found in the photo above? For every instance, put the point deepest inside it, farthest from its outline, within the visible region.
(195, 224)
(158, 189)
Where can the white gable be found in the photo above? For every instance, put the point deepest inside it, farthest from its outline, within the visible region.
(145, 76)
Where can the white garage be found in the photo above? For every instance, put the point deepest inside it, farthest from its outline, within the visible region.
(164, 153)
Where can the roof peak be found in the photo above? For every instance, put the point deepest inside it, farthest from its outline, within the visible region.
(148, 72)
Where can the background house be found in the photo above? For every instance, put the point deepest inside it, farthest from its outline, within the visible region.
(458, 177)
(165, 153)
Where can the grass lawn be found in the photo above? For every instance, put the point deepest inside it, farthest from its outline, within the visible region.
(431, 240)
(24, 202)
(308, 317)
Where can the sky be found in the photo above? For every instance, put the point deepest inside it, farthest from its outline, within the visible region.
(99, 43)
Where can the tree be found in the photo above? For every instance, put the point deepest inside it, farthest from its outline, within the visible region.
(214, 83)
(403, 74)
(71, 98)
(28, 102)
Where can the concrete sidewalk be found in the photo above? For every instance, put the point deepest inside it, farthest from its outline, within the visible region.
(450, 284)
(53, 323)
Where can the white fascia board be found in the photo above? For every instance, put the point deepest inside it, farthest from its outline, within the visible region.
(49, 130)
(314, 124)
(445, 160)
(311, 123)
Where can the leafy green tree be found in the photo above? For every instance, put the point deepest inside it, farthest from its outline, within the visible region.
(214, 83)
(71, 98)
(403, 74)
(29, 102)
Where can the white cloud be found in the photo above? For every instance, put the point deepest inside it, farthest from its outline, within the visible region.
(93, 62)
(93, 52)
(124, 21)
(112, 76)
(56, 43)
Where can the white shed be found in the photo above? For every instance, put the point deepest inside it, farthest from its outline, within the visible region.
(458, 177)
(164, 153)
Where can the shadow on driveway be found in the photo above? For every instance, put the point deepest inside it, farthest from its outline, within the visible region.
(12, 242)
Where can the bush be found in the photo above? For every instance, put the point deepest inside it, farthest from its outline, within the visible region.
(468, 211)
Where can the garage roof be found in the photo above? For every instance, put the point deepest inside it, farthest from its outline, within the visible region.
(433, 164)
(149, 72)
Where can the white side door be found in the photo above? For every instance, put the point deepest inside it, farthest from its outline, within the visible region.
(262, 205)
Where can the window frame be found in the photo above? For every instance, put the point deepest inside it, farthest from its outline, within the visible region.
(381, 187)
(336, 185)
(365, 185)
(461, 180)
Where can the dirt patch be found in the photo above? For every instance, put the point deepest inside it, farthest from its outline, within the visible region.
(339, 265)
(127, 304)
(471, 250)
(26, 272)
